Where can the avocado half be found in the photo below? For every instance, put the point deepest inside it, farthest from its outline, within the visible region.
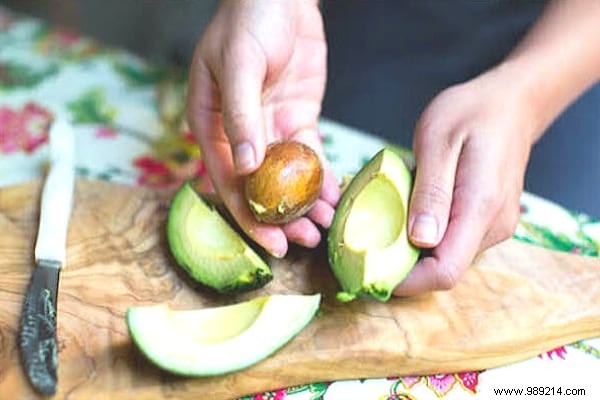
(368, 246)
(215, 341)
(209, 249)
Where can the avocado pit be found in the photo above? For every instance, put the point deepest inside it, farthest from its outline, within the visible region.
(286, 185)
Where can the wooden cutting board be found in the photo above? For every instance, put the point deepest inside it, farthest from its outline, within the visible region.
(515, 302)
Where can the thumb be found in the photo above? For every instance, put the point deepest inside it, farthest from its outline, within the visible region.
(431, 197)
(241, 79)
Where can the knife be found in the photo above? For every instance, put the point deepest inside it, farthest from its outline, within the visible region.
(38, 344)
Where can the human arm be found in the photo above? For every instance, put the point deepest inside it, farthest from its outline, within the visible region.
(472, 142)
(258, 75)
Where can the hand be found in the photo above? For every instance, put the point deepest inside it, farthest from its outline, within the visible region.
(258, 75)
(473, 141)
(471, 145)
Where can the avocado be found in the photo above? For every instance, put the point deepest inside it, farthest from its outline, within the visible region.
(368, 247)
(209, 249)
(219, 340)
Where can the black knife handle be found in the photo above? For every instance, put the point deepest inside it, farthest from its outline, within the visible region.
(38, 343)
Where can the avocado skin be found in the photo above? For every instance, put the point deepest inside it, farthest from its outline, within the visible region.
(243, 272)
(259, 279)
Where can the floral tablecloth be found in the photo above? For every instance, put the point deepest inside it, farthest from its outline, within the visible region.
(129, 121)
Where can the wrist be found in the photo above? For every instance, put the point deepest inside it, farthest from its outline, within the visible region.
(557, 60)
(516, 92)
(542, 88)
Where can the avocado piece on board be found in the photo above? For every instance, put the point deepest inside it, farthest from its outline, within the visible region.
(209, 249)
(368, 246)
(219, 340)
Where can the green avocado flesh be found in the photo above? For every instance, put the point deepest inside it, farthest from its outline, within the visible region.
(368, 246)
(215, 341)
(209, 249)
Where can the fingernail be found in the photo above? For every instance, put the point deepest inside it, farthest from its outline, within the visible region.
(424, 230)
(277, 253)
(244, 157)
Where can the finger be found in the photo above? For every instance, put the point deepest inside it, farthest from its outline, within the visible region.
(241, 75)
(321, 213)
(330, 192)
(449, 260)
(229, 185)
(431, 196)
(420, 278)
(473, 210)
(206, 121)
(303, 232)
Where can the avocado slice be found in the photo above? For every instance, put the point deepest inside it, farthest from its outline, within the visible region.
(219, 340)
(368, 247)
(209, 249)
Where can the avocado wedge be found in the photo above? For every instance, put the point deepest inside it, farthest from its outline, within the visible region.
(209, 249)
(368, 246)
(219, 340)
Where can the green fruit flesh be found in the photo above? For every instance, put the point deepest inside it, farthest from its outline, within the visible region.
(209, 249)
(379, 207)
(215, 341)
(368, 246)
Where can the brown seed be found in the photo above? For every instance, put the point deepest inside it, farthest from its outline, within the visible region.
(287, 183)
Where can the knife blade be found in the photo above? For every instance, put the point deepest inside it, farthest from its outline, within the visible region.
(38, 339)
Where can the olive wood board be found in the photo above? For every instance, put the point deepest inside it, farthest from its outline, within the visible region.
(515, 302)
